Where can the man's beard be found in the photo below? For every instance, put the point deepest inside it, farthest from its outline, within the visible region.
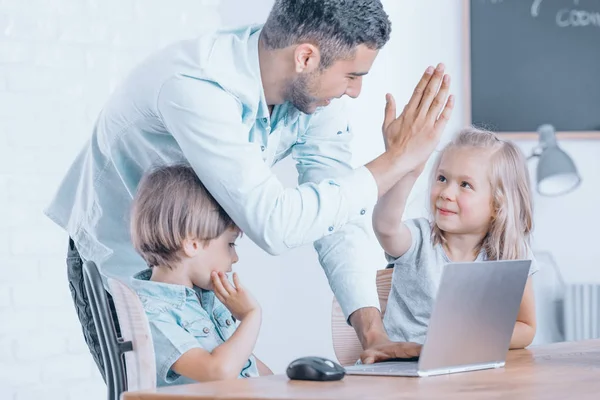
(298, 93)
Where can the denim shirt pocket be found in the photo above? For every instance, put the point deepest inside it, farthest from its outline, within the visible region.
(224, 321)
(204, 332)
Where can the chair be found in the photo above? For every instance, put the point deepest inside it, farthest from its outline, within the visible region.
(128, 360)
(346, 345)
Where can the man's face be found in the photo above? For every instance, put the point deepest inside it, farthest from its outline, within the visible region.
(309, 90)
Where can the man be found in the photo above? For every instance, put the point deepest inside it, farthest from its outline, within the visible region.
(232, 104)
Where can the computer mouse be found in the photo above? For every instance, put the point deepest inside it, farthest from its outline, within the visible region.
(315, 369)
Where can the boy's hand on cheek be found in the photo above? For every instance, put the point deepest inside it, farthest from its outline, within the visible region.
(237, 299)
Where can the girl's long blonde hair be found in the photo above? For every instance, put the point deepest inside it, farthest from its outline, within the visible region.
(508, 237)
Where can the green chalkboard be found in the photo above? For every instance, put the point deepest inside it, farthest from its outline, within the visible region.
(534, 62)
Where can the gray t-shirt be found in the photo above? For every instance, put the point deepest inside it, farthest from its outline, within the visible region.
(415, 282)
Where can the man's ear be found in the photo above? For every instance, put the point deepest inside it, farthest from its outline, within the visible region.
(307, 58)
(191, 247)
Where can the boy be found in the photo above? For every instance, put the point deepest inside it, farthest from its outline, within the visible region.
(188, 241)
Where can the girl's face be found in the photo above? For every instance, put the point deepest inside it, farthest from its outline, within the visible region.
(218, 255)
(461, 194)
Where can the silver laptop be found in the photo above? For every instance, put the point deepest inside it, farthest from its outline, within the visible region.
(471, 323)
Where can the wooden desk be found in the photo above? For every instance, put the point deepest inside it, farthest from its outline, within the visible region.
(558, 371)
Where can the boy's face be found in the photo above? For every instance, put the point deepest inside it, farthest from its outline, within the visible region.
(217, 255)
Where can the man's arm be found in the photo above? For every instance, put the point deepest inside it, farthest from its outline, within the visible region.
(324, 151)
(207, 124)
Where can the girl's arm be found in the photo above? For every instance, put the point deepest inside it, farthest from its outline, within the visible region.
(391, 232)
(524, 330)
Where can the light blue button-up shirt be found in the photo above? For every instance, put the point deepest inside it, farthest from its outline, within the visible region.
(201, 101)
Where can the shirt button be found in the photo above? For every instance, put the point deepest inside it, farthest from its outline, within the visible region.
(363, 211)
(265, 120)
(331, 229)
(339, 132)
(228, 322)
(247, 375)
(206, 330)
(262, 148)
(331, 182)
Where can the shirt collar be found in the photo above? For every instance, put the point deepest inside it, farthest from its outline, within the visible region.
(263, 109)
(163, 292)
(291, 112)
(167, 293)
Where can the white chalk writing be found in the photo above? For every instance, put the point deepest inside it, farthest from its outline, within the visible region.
(570, 17)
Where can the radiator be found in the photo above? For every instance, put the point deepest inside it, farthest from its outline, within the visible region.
(581, 311)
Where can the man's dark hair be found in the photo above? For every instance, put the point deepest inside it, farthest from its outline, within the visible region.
(336, 27)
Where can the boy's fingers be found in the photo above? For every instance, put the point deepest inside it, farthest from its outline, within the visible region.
(226, 284)
(219, 289)
(236, 281)
(219, 297)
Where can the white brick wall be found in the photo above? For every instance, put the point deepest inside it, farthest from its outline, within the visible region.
(59, 61)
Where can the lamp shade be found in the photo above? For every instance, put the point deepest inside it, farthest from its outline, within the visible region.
(556, 172)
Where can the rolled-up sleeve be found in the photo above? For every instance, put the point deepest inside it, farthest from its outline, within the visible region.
(323, 152)
(206, 121)
(170, 342)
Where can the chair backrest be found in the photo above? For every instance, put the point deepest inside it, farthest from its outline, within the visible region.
(111, 347)
(128, 360)
(140, 363)
(346, 345)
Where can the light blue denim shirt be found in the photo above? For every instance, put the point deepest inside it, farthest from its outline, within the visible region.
(181, 319)
(201, 101)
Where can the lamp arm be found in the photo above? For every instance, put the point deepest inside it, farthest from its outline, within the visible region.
(536, 152)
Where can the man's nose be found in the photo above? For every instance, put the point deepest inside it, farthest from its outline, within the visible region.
(354, 88)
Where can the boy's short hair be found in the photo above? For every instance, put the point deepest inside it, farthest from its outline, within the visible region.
(171, 205)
